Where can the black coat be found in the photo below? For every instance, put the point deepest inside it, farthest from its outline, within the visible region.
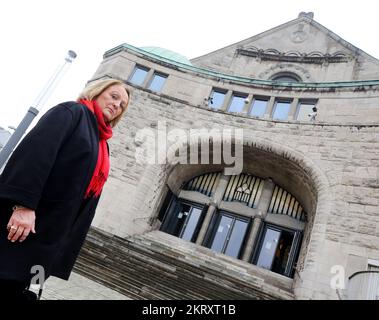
(49, 172)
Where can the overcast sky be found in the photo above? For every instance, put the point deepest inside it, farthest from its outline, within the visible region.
(36, 35)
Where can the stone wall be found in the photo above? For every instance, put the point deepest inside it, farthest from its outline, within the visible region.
(357, 103)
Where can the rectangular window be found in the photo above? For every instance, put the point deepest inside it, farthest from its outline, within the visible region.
(304, 110)
(157, 82)
(259, 107)
(217, 99)
(281, 110)
(139, 75)
(237, 103)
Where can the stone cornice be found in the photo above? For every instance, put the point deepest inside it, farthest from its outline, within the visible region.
(357, 85)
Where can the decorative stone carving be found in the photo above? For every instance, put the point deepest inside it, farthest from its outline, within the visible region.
(244, 189)
(314, 57)
(309, 15)
(299, 35)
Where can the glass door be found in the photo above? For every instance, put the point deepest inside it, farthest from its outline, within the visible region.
(222, 232)
(268, 248)
(278, 249)
(183, 220)
(229, 234)
(236, 237)
(190, 224)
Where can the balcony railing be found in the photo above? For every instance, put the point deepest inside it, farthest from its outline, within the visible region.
(363, 285)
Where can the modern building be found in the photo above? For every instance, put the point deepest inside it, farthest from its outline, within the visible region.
(250, 172)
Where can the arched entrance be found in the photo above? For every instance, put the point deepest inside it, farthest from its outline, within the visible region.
(266, 219)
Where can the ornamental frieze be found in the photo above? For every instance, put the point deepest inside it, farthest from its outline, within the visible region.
(314, 57)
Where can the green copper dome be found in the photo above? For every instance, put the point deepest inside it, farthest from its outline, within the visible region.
(167, 54)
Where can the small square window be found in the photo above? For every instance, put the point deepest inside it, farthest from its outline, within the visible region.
(259, 107)
(157, 82)
(237, 103)
(139, 75)
(281, 110)
(217, 99)
(304, 109)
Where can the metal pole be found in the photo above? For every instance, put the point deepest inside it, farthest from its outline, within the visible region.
(34, 110)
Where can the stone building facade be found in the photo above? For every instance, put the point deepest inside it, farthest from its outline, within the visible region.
(298, 218)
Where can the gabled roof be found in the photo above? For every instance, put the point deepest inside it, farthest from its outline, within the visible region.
(295, 41)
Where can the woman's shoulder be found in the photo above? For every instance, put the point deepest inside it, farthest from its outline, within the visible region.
(72, 106)
(71, 111)
(76, 109)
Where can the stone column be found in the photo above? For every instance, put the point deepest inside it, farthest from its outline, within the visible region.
(226, 103)
(247, 105)
(252, 238)
(292, 112)
(270, 106)
(264, 200)
(147, 78)
(216, 199)
(204, 226)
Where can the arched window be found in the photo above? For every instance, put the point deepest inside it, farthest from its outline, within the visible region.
(282, 202)
(244, 188)
(205, 184)
(286, 77)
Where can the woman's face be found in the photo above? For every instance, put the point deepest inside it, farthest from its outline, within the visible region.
(112, 101)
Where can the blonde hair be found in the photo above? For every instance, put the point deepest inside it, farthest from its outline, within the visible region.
(96, 88)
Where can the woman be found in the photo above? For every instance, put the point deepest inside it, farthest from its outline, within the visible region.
(51, 185)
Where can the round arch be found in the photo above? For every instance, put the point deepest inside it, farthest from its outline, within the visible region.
(282, 67)
(287, 167)
(269, 160)
(286, 77)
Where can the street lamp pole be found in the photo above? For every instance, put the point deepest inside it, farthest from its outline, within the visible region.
(36, 107)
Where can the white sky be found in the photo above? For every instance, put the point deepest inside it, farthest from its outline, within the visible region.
(35, 35)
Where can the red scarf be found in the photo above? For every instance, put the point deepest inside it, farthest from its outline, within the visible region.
(101, 172)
